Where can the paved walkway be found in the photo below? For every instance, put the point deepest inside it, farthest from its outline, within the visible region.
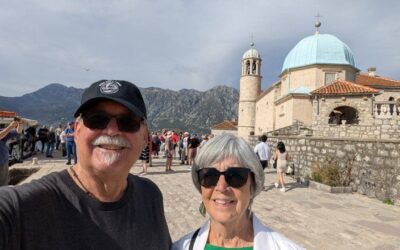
(314, 219)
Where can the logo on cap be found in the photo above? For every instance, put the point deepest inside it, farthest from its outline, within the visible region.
(109, 87)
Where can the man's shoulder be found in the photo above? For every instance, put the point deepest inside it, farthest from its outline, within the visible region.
(145, 185)
(259, 145)
(32, 192)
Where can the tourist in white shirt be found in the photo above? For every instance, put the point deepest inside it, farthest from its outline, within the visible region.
(262, 151)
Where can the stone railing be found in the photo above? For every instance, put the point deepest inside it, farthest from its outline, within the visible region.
(386, 109)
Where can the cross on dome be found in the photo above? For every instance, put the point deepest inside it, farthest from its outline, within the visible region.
(251, 40)
(317, 23)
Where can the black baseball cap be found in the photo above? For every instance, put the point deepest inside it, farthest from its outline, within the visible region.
(123, 92)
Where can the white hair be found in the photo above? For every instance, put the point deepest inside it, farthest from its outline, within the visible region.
(226, 146)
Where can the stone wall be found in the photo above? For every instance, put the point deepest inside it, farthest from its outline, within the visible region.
(297, 128)
(375, 169)
(371, 125)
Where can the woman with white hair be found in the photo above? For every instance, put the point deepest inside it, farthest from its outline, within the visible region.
(228, 175)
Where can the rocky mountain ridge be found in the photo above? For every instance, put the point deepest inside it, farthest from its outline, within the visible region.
(186, 109)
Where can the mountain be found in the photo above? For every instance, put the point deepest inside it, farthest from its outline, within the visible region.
(186, 109)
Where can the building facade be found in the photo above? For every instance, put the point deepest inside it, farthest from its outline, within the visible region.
(309, 92)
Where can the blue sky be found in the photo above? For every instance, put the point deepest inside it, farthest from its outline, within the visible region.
(177, 44)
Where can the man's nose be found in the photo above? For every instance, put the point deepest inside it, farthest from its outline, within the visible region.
(112, 127)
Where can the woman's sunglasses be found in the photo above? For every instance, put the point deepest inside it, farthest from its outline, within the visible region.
(235, 176)
(100, 120)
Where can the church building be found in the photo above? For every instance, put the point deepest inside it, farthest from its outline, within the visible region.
(320, 88)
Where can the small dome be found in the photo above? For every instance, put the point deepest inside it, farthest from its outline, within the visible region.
(318, 49)
(251, 53)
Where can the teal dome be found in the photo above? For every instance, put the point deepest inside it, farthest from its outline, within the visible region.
(319, 49)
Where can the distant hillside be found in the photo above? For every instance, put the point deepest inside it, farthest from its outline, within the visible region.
(187, 109)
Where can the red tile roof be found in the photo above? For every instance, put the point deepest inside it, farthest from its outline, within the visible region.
(377, 81)
(341, 87)
(226, 125)
(9, 114)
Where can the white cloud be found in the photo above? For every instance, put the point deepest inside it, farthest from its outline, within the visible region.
(176, 43)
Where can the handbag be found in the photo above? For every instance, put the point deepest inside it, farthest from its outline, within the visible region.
(290, 170)
(193, 239)
(274, 163)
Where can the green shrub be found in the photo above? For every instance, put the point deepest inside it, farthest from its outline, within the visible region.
(388, 202)
(330, 174)
(316, 177)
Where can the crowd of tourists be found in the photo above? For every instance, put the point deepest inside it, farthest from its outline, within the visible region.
(46, 139)
(172, 145)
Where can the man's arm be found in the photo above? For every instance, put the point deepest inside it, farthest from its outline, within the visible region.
(256, 149)
(20, 127)
(7, 130)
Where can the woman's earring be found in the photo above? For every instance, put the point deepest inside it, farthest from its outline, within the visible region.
(249, 209)
(202, 209)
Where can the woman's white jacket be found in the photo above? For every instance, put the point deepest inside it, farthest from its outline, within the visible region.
(264, 238)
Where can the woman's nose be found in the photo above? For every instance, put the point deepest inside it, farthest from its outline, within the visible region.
(222, 185)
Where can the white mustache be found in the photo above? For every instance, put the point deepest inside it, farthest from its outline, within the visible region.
(111, 140)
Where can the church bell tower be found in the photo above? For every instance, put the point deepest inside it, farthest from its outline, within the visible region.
(250, 89)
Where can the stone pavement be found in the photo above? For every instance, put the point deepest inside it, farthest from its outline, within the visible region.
(313, 219)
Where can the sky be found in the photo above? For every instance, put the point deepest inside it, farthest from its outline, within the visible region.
(176, 44)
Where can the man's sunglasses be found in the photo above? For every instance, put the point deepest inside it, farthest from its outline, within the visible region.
(100, 120)
(235, 176)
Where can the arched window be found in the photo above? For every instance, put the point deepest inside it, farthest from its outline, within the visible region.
(248, 67)
(343, 114)
(253, 68)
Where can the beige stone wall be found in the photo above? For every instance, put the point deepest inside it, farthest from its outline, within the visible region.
(374, 164)
(293, 108)
(369, 126)
(270, 117)
(275, 110)
(343, 72)
(386, 94)
(247, 114)
(304, 77)
(302, 110)
(284, 113)
(265, 110)
(313, 77)
(350, 74)
(250, 88)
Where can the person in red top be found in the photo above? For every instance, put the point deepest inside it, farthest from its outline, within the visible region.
(175, 140)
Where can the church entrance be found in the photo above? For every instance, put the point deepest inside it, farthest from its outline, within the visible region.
(343, 115)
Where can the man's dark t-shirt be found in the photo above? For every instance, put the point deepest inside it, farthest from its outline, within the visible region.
(54, 213)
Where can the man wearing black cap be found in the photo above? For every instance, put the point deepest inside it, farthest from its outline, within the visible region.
(96, 203)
